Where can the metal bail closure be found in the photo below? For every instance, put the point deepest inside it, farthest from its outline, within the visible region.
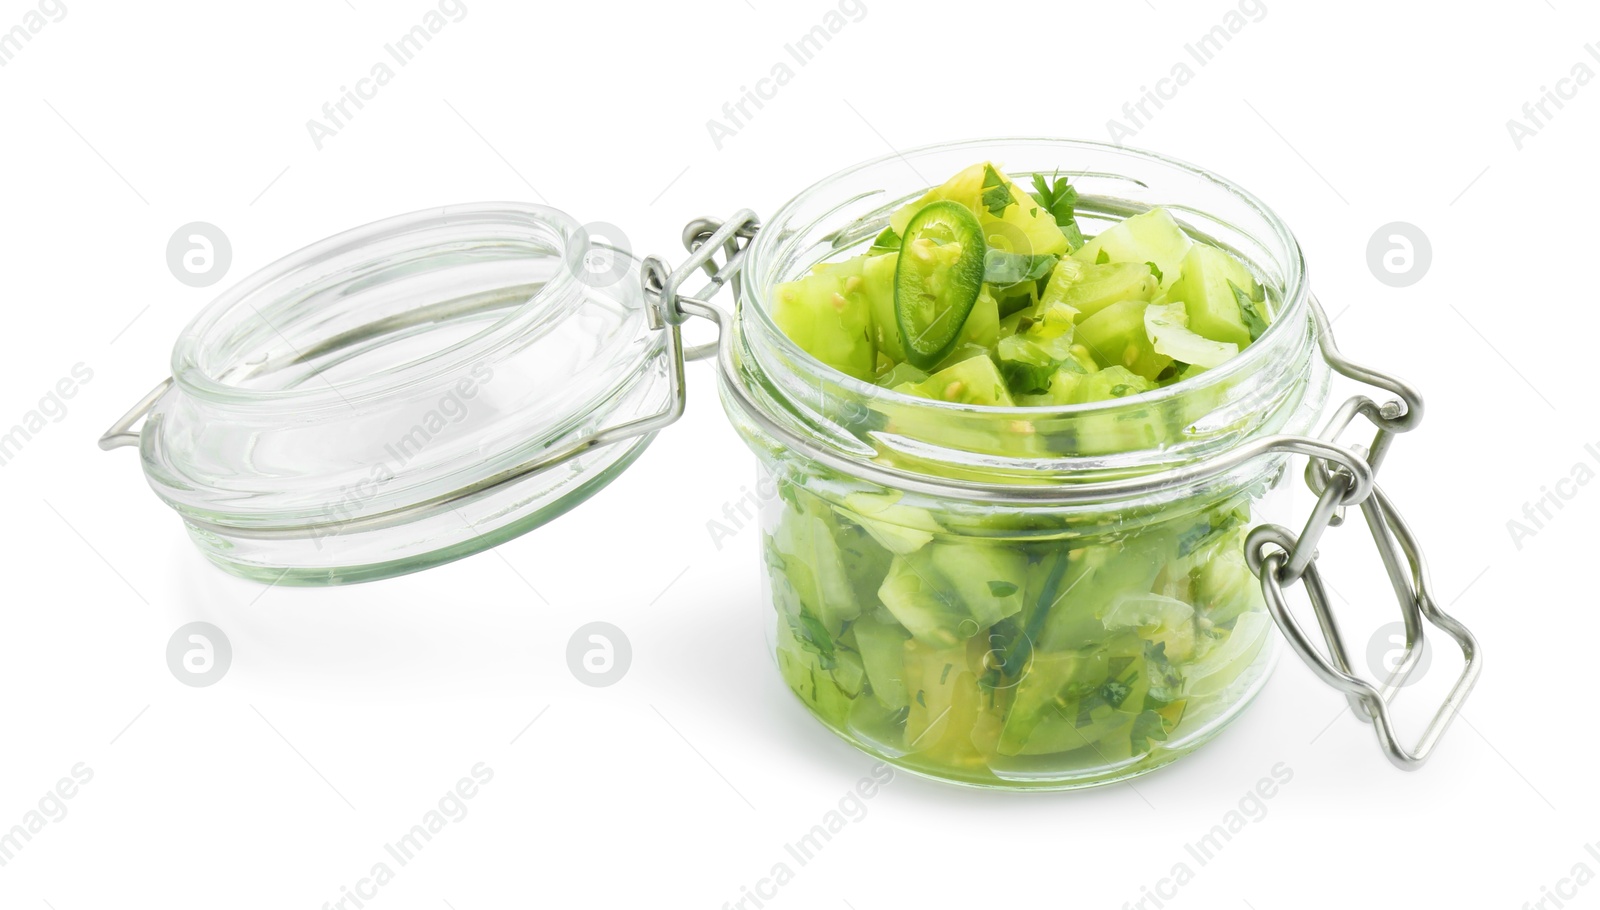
(704, 238)
(1280, 558)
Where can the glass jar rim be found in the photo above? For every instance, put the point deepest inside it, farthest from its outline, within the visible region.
(1291, 317)
(552, 300)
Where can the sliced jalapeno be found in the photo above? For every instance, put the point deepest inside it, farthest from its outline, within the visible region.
(937, 279)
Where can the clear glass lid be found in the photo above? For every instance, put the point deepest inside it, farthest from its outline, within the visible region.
(388, 398)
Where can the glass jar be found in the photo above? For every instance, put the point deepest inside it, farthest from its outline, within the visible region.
(1039, 642)
(368, 406)
(1033, 597)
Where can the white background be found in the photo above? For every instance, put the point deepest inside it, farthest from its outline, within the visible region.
(348, 713)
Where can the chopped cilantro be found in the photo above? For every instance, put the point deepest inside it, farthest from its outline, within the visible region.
(1102, 258)
(814, 637)
(1251, 316)
(1192, 538)
(996, 195)
(1147, 726)
(1164, 678)
(1154, 270)
(1060, 199)
(1115, 692)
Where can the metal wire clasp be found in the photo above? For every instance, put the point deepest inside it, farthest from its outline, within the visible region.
(1280, 558)
(704, 238)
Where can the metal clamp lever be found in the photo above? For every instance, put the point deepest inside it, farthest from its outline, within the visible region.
(122, 432)
(1280, 558)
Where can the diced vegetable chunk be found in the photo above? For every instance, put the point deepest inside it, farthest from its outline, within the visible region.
(1206, 290)
(1167, 326)
(1149, 237)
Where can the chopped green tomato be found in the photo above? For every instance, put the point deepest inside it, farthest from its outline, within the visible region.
(1037, 348)
(1097, 576)
(919, 602)
(900, 529)
(877, 274)
(975, 380)
(1156, 618)
(945, 705)
(1003, 269)
(987, 579)
(937, 280)
(978, 336)
(1206, 290)
(1106, 385)
(1167, 325)
(1224, 585)
(1217, 668)
(849, 674)
(1091, 288)
(1116, 337)
(1149, 237)
(1011, 219)
(882, 647)
(816, 569)
(827, 313)
(901, 374)
(943, 595)
(886, 242)
(809, 672)
(1072, 699)
(865, 560)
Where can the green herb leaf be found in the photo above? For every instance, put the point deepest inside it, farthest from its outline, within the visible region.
(1147, 726)
(1060, 199)
(1102, 258)
(996, 195)
(1192, 538)
(1002, 268)
(1208, 530)
(1164, 678)
(1154, 270)
(1002, 588)
(1248, 312)
(1115, 692)
(814, 637)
